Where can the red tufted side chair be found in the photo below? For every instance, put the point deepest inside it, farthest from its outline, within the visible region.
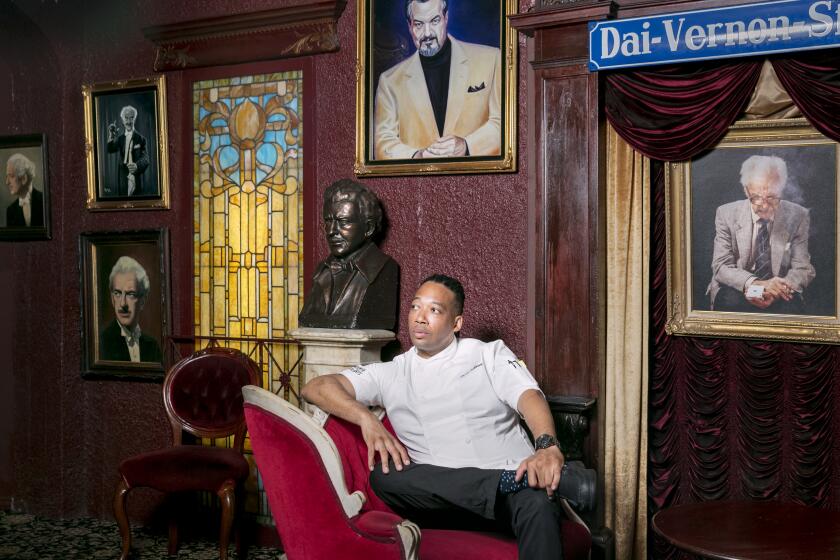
(316, 480)
(202, 395)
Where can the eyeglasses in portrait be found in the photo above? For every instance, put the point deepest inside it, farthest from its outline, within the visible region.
(25, 198)
(125, 303)
(436, 90)
(753, 236)
(127, 152)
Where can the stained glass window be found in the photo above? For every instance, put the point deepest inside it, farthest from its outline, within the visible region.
(248, 216)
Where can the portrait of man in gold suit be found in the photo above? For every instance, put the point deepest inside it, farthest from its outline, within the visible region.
(442, 101)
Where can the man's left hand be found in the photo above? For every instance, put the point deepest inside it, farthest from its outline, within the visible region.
(448, 146)
(543, 468)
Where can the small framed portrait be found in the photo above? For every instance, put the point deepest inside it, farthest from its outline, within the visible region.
(753, 236)
(25, 196)
(436, 87)
(126, 145)
(125, 303)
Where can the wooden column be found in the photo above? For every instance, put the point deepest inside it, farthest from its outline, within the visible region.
(567, 152)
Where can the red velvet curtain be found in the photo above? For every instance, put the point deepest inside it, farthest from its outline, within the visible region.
(735, 419)
(676, 112)
(813, 83)
(729, 419)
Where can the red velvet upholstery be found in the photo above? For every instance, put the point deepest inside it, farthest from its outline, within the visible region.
(353, 450)
(310, 517)
(202, 395)
(435, 543)
(185, 467)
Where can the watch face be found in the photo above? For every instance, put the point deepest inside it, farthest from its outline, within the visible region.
(545, 441)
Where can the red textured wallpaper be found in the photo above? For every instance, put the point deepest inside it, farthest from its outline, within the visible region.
(68, 435)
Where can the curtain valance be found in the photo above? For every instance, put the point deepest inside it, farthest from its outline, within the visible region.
(676, 112)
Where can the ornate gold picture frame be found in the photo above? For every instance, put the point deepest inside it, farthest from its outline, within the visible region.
(127, 156)
(716, 246)
(466, 125)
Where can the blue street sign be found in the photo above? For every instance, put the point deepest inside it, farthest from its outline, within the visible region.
(768, 27)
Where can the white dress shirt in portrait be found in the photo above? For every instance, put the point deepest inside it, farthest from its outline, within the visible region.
(132, 180)
(26, 206)
(132, 341)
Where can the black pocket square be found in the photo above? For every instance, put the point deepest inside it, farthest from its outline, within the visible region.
(473, 89)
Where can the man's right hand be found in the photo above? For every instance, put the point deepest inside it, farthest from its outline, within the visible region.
(334, 394)
(380, 440)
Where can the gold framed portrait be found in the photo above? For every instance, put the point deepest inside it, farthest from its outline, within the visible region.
(436, 87)
(126, 147)
(752, 233)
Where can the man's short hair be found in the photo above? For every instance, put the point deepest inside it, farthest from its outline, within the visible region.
(23, 168)
(347, 189)
(764, 166)
(128, 108)
(125, 265)
(408, 3)
(453, 285)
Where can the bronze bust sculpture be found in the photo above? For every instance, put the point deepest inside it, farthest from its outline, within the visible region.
(356, 286)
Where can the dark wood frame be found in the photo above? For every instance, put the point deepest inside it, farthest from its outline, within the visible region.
(90, 244)
(13, 144)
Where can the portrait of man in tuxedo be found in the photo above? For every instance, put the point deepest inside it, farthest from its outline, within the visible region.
(761, 261)
(129, 146)
(356, 286)
(27, 207)
(122, 339)
(444, 99)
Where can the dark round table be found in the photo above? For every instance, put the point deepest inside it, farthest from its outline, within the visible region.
(736, 530)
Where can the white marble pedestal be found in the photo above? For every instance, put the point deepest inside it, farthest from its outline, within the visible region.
(332, 350)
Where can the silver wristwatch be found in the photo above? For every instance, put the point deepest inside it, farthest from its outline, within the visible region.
(545, 441)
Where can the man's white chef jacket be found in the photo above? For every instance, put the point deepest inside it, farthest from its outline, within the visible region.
(455, 409)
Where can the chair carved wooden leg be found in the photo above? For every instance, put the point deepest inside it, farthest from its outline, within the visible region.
(238, 518)
(172, 548)
(227, 495)
(122, 518)
(209, 380)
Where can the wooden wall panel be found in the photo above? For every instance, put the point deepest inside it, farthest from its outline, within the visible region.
(568, 242)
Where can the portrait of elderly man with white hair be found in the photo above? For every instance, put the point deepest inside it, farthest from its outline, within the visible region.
(761, 261)
(122, 339)
(27, 207)
(130, 146)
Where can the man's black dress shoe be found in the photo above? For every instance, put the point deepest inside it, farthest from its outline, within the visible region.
(578, 486)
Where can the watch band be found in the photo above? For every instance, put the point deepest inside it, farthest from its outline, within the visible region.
(545, 441)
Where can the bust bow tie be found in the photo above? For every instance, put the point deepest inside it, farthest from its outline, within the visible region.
(337, 266)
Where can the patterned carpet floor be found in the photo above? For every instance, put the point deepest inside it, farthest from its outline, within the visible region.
(26, 537)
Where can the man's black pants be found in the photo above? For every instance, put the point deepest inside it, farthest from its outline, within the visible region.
(468, 498)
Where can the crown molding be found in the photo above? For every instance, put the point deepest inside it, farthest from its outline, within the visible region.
(265, 35)
(562, 12)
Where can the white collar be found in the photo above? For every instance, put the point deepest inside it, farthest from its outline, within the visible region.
(756, 217)
(131, 336)
(26, 200)
(444, 354)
